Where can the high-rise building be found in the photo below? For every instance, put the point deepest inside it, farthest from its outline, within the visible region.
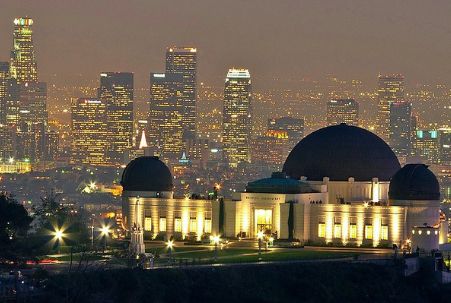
(9, 102)
(165, 115)
(183, 61)
(89, 132)
(116, 90)
(23, 61)
(427, 145)
(390, 89)
(294, 127)
(237, 117)
(271, 149)
(27, 108)
(401, 127)
(445, 146)
(343, 111)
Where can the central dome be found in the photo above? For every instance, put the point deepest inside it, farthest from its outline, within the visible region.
(147, 174)
(340, 152)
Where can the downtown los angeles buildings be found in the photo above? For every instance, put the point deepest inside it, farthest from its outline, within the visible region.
(237, 117)
(23, 101)
(343, 111)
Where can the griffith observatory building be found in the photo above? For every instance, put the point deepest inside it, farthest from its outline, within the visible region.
(340, 184)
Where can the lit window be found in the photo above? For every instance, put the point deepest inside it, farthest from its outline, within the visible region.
(193, 225)
(428, 232)
(147, 223)
(321, 230)
(162, 224)
(369, 232)
(420, 232)
(207, 225)
(337, 230)
(178, 225)
(413, 231)
(436, 232)
(353, 231)
(384, 232)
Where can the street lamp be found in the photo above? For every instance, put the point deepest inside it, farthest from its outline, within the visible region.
(169, 245)
(216, 239)
(260, 235)
(58, 235)
(105, 231)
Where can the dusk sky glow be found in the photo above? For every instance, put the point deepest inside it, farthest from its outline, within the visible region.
(288, 39)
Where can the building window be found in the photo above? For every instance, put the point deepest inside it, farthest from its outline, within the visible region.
(337, 230)
(369, 232)
(207, 226)
(353, 231)
(193, 225)
(321, 230)
(162, 224)
(147, 223)
(384, 232)
(178, 225)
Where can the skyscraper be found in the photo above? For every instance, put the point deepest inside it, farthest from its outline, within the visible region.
(116, 90)
(390, 89)
(165, 115)
(9, 103)
(427, 145)
(23, 62)
(89, 132)
(294, 127)
(237, 117)
(183, 61)
(343, 111)
(401, 128)
(27, 110)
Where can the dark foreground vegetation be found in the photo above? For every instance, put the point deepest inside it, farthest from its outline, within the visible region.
(308, 282)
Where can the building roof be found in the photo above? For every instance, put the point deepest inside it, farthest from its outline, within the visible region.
(414, 182)
(147, 174)
(340, 152)
(278, 184)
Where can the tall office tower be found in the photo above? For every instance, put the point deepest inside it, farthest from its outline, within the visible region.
(445, 146)
(390, 89)
(343, 111)
(237, 117)
(427, 145)
(401, 128)
(30, 106)
(23, 62)
(294, 127)
(165, 115)
(116, 90)
(183, 61)
(7, 145)
(89, 132)
(9, 103)
(271, 149)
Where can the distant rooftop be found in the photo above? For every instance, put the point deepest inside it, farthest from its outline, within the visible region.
(238, 73)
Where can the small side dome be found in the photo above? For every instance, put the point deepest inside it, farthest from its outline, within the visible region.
(278, 184)
(414, 182)
(147, 174)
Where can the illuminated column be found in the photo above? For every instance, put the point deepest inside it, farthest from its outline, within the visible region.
(375, 190)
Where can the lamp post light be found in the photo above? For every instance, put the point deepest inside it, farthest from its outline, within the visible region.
(216, 240)
(260, 239)
(58, 236)
(169, 245)
(105, 230)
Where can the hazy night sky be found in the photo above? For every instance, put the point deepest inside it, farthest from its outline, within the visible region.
(275, 39)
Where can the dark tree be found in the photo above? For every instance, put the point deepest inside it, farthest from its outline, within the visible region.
(14, 223)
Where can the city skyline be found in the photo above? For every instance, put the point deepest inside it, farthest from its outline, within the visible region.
(294, 45)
